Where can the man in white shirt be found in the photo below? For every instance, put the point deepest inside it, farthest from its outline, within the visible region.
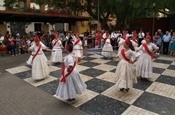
(141, 36)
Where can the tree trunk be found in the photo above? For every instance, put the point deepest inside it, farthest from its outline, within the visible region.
(42, 8)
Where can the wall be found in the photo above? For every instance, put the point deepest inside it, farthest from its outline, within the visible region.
(147, 24)
(3, 29)
(2, 5)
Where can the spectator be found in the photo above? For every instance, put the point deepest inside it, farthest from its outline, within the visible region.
(166, 40)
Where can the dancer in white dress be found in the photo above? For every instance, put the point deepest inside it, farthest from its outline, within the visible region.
(144, 65)
(40, 69)
(70, 83)
(134, 43)
(56, 56)
(121, 42)
(107, 49)
(126, 71)
(78, 49)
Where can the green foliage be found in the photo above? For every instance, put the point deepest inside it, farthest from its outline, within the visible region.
(123, 10)
(9, 3)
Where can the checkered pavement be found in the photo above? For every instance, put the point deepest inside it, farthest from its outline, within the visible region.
(153, 97)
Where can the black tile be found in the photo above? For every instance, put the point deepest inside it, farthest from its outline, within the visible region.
(113, 71)
(87, 58)
(89, 64)
(56, 73)
(158, 70)
(24, 75)
(163, 61)
(98, 85)
(156, 103)
(142, 84)
(102, 105)
(172, 67)
(114, 63)
(50, 87)
(57, 64)
(92, 72)
(166, 79)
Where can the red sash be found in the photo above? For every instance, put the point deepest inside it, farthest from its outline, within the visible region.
(148, 51)
(55, 42)
(77, 42)
(63, 79)
(36, 53)
(124, 56)
(135, 41)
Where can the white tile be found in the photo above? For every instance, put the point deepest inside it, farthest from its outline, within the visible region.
(85, 77)
(81, 67)
(38, 83)
(166, 58)
(100, 60)
(128, 97)
(81, 99)
(18, 69)
(162, 89)
(169, 72)
(160, 65)
(133, 110)
(154, 76)
(108, 76)
(53, 68)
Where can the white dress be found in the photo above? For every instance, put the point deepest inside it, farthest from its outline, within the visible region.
(121, 42)
(144, 65)
(125, 74)
(78, 49)
(135, 44)
(74, 84)
(40, 69)
(56, 56)
(107, 49)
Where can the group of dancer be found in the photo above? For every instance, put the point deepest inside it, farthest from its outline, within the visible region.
(135, 62)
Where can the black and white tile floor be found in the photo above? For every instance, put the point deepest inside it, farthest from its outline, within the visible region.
(153, 97)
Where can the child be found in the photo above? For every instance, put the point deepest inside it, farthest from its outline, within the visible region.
(70, 83)
(125, 71)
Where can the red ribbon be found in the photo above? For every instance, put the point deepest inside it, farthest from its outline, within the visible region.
(77, 42)
(148, 51)
(36, 53)
(124, 56)
(63, 79)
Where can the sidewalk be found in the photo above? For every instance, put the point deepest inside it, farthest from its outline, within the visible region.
(19, 98)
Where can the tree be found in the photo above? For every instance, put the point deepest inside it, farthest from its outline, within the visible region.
(41, 3)
(9, 4)
(122, 10)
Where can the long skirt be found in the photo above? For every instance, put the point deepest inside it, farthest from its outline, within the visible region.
(56, 56)
(125, 75)
(107, 50)
(73, 85)
(144, 66)
(40, 69)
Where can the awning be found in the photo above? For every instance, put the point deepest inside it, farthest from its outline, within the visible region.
(12, 16)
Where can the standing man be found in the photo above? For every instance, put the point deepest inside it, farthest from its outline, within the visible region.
(141, 36)
(166, 40)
